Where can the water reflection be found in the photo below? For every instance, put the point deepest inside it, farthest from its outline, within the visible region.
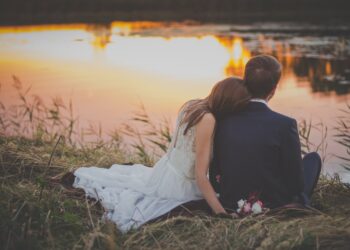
(102, 34)
(142, 58)
(324, 75)
(187, 50)
(238, 54)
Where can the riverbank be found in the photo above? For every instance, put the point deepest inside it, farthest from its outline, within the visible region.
(37, 213)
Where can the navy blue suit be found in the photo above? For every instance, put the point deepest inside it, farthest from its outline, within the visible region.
(257, 150)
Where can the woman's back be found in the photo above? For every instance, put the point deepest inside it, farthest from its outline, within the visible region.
(175, 171)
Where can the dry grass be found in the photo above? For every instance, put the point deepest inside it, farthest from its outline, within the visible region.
(37, 213)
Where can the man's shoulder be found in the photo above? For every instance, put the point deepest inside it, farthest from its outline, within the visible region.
(267, 116)
(268, 113)
(284, 122)
(282, 117)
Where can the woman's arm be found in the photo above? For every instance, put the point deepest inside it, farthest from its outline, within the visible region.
(204, 139)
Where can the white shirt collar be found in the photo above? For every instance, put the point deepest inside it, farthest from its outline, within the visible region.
(259, 100)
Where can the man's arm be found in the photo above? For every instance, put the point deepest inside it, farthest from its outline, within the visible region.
(291, 159)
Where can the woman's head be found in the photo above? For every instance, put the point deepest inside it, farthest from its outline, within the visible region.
(226, 97)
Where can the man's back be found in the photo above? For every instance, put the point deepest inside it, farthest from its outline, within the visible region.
(257, 150)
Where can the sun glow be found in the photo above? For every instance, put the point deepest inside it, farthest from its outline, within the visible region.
(238, 55)
(179, 57)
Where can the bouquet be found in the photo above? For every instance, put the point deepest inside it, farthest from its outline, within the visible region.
(250, 206)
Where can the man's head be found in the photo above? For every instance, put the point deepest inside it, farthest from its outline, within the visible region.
(261, 76)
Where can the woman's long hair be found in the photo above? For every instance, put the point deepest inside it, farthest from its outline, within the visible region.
(226, 97)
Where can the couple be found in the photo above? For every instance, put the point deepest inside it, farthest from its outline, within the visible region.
(233, 134)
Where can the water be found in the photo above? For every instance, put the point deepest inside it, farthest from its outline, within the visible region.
(108, 70)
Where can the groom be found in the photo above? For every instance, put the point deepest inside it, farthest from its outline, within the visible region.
(258, 150)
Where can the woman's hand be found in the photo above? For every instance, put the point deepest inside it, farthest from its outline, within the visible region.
(204, 140)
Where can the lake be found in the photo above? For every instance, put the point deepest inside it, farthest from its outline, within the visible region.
(109, 69)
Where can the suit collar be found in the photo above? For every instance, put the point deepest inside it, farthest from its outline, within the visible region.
(259, 100)
(257, 106)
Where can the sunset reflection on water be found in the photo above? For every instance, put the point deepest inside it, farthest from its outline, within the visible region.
(108, 69)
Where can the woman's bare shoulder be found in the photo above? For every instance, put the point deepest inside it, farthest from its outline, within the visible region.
(207, 121)
(208, 117)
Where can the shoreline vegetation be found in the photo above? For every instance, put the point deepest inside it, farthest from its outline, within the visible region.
(39, 143)
(37, 213)
(17, 12)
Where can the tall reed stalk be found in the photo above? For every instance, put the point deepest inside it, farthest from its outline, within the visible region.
(149, 140)
(342, 135)
(31, 117)
(307, 131)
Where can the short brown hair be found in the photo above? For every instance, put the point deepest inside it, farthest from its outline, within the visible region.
(261, 75)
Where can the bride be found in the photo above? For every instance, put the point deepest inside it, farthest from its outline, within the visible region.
(133, 195)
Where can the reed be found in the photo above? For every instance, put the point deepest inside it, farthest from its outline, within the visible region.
(149, 140)
(38, 121)
(33, 118)
(308, 130)
(342, 135)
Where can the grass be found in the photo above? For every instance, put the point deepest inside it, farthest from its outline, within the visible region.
(40, 142)
(37, 213)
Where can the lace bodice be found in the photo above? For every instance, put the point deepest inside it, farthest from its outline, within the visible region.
(181, 152)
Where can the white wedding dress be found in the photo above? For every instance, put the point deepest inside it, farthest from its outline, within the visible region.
(133, 195)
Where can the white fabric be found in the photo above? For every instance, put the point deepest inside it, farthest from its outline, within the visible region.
(259, 100)
(133, 195)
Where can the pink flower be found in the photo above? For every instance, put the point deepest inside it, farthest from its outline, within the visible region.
(247, 207)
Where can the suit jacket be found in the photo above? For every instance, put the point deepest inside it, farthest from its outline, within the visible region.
(257, 150)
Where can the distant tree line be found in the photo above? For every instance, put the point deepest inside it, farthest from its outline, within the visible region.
(17, 11)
